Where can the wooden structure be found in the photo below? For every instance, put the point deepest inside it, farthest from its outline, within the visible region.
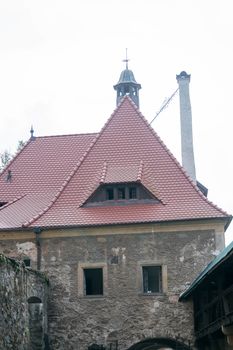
(212, 294)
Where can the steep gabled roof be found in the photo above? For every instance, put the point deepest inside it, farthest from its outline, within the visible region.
(126, 141)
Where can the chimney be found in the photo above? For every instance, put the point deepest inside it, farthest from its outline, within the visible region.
(188, 163)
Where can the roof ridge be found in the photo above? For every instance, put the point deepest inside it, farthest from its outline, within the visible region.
(174, 159)
(64, 135)
(12, 202)
(65, 183)
(15, 156)
(104, 172)
(140, 171)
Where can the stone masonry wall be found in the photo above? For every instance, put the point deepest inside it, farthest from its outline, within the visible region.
(123, 313)
(19, 285)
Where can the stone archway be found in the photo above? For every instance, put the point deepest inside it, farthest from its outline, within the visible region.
(159, 344)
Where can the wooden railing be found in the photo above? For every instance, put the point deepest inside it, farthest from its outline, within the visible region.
(215, 313)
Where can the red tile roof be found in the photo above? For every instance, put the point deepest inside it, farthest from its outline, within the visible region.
(55, 175)
(115, 174)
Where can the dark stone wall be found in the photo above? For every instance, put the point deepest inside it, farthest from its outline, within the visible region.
(19, 285)
(124, 313)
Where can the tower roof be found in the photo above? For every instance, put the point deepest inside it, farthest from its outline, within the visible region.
(127, 76)
(127, 85)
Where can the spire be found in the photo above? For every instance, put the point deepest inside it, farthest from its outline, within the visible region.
(126, 60)
(32, 133)
(127, 85)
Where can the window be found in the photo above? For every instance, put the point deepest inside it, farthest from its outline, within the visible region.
(93, 281)
(132, 193)
(121, 193)
(2, 204)
(27, 262)
(152, 279)
(109, 194)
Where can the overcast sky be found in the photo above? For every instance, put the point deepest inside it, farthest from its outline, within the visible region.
(60, 59)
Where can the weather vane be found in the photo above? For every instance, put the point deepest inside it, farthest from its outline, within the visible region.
(126, 60)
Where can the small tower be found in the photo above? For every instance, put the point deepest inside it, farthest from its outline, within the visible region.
(127, 85)
(188, 162)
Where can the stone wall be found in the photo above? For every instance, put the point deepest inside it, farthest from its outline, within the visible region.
(23, 299)
(123, 314)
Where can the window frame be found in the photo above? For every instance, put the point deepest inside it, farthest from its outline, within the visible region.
(163, 277)
(81, 279)
(148, 285)
(90, 275)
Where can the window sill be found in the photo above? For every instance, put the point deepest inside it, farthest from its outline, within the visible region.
(92, 296)
(159, 294)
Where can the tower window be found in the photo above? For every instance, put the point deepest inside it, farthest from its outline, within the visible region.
(152, 279)
(93, 281)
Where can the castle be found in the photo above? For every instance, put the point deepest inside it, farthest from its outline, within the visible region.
(119, 227)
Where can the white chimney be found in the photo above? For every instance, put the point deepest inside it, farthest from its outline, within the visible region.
(188, 162)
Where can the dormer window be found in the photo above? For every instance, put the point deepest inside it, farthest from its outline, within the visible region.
(120, 194)
(132, 193)
(109, 194)
(2, 204)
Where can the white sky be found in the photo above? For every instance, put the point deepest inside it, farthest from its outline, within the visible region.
(59, 60)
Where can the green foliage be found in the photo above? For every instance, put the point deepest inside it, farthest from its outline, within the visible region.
(21, 144)
(6, 156)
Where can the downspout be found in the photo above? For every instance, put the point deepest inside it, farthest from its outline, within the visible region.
(37, 231)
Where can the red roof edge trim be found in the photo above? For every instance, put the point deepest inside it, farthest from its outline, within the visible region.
(124, 223)
(12, 202)
(65, 183)
(68, 135)
(14, 157)
(175, 160)
(104, 172)
(140, 170)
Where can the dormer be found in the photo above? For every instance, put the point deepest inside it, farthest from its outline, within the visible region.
(121, 186)
(121, 194)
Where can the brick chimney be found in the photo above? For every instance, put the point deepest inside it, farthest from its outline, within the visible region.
(188, 162)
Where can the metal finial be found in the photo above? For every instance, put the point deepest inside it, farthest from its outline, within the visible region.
(126, 60)
(32, 132)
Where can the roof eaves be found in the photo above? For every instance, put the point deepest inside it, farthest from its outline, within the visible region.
(110, 224)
